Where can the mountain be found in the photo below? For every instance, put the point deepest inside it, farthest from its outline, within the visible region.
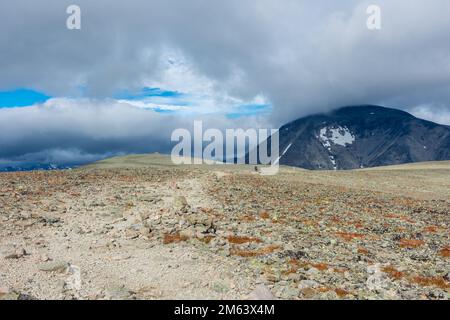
(360, 137)
(12, 167)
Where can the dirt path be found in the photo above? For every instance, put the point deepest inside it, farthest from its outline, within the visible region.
(110, 252)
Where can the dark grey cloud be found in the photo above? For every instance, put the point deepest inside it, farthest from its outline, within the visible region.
(304, 56)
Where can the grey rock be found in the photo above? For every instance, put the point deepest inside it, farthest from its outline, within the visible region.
(53, 266)
(377, 280)
(17, 254)
(447, 276)
(200, 219)
(261, 292)
(180, 204)
(312, 271)
(303, 284)
(118, 292)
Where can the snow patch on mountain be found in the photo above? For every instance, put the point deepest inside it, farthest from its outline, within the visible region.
(336, 135)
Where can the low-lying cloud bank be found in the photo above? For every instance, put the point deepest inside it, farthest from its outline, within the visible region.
(80, 131)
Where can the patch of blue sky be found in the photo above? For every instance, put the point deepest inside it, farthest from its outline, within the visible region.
(21, 98)
(162, 110)
(147, 93)
(249, 110)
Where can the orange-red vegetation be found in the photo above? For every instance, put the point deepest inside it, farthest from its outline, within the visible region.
(336, 220)
(431, 282)
(309, 222)
(174, 238)
(349, 236)
(362, 250)
(254, 253)
(206, 239)
(340, 270)
(264, 215)
(407, 219)
(341, 292)
(241, 240)
(359, 225)
(410, 243)
(445, 252)
(290, 271)
(248, 218)
(393, 273)
(320, 266)
(206, 210)
(431, 229)
(298, 264)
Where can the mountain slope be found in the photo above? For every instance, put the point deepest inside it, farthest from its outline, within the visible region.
(360, 137)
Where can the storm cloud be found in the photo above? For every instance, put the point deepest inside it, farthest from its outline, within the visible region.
(301, 56)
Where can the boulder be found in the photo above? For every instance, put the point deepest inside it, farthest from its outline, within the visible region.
(261, 292)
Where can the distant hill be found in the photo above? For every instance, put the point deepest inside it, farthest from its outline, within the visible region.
(33, 166)
(362, 137)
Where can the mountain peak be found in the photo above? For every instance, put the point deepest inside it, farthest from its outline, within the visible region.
(353, 137)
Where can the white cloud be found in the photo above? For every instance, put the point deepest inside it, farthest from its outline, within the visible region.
(438, 114)
(67, 130)
(301, 57)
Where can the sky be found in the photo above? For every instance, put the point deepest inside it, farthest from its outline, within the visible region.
(137, 70)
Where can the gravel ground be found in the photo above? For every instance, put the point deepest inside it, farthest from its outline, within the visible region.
(153, 231)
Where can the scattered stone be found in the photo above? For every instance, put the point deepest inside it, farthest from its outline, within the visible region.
(295, 277)
(303, 284)
(50, 220)
(145, 215)
(150, 199)
(10, 296)
(308, 235)
(73, 282)
(53, 266)
(312, 271)
(187, 233)
(377, 280)
(6, 294)
(447, 276)
(220, 287)
(261, 292)
(119, 292)
(17, 254)
(288, 292)
(180, 204)
(202, 219)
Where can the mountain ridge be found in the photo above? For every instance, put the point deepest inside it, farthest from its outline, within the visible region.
(354, 137)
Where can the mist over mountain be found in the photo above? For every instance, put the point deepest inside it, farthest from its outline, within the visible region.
(361, 137)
